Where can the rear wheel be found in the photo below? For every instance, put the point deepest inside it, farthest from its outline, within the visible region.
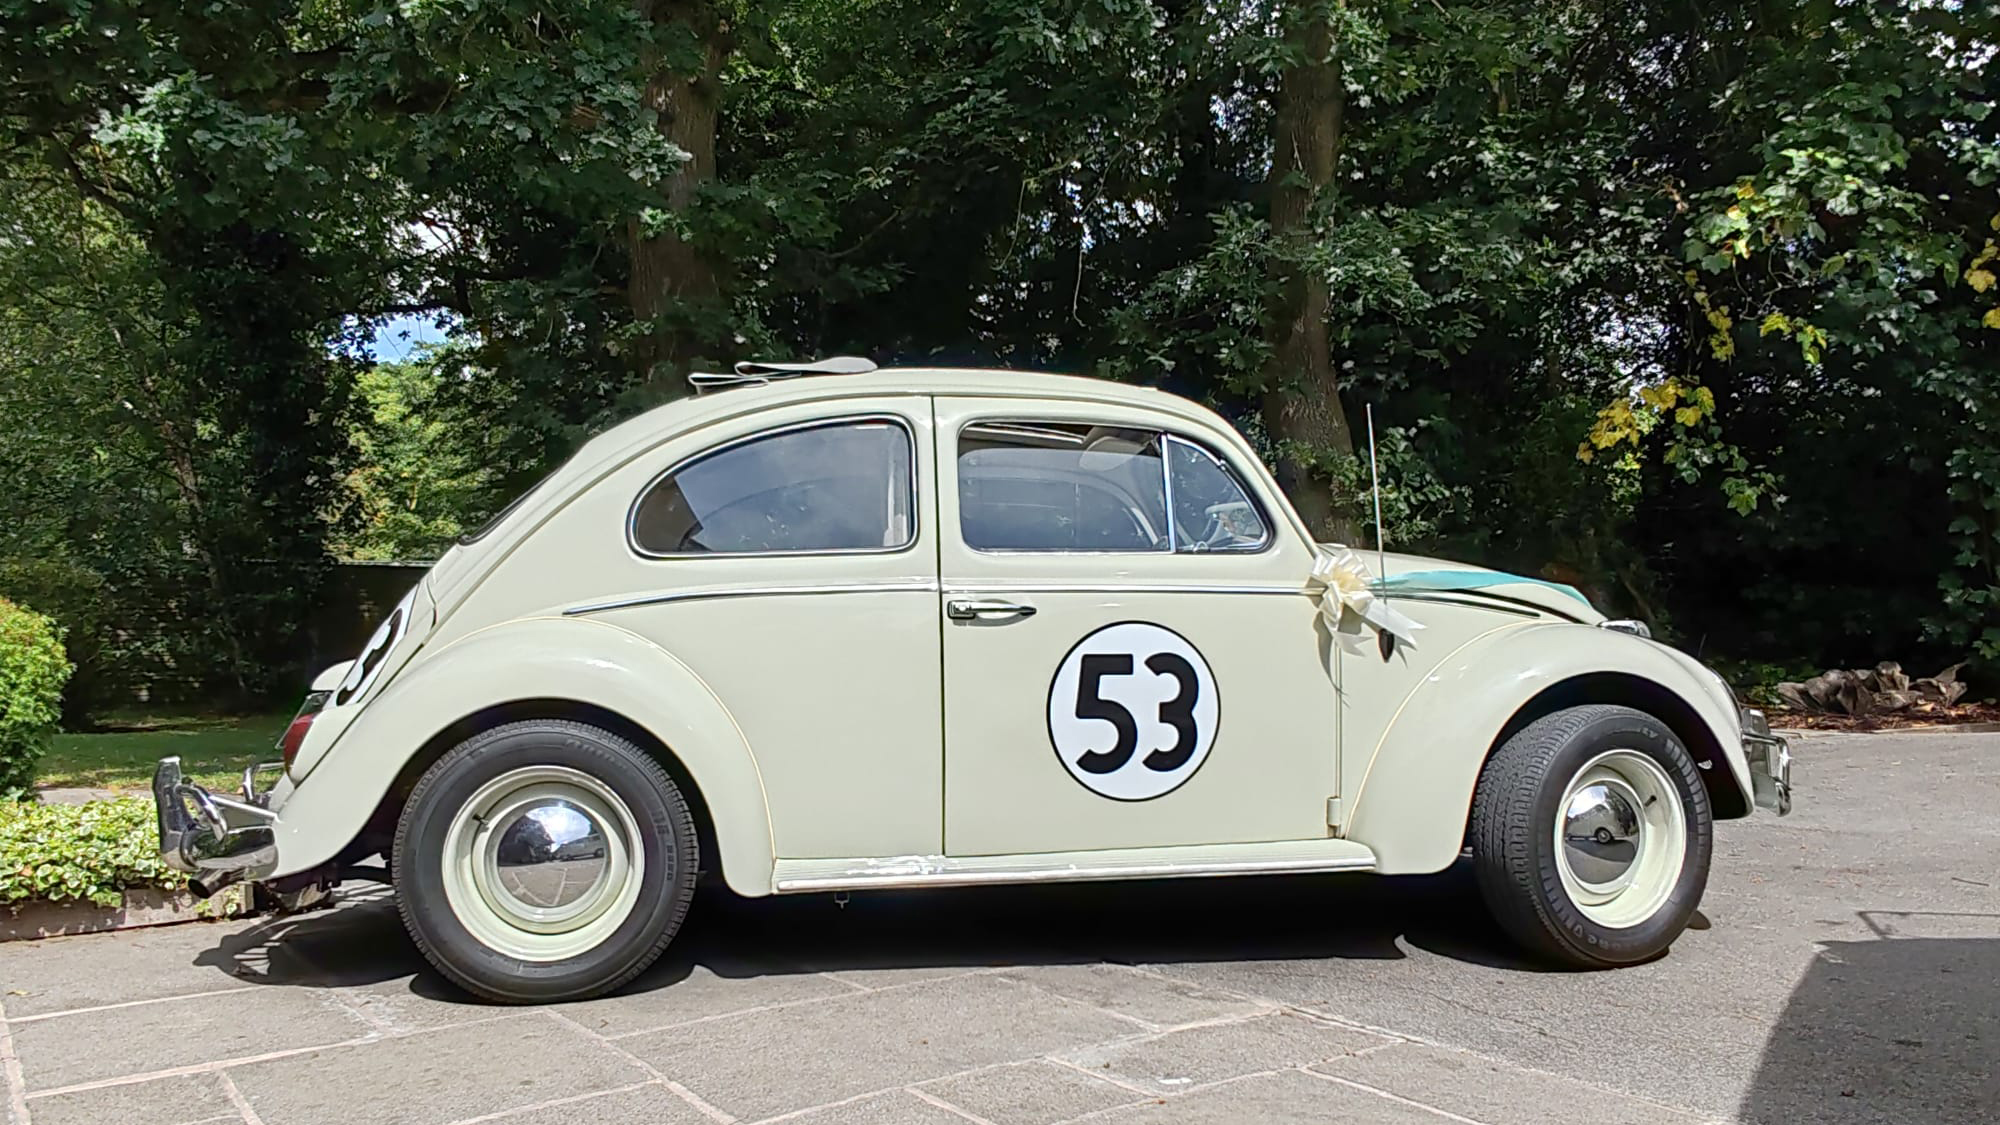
(1591, 834)
(544, 860)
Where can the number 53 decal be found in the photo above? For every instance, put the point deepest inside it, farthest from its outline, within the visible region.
(1133, 711)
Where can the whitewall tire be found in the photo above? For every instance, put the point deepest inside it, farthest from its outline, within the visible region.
(544, 860)
(1591, 834)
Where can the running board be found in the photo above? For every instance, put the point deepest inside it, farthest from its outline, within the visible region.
(1291, 857)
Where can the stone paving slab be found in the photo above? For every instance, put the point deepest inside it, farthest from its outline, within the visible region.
(468, 1071)
(1492, 1092)
(168, 1034)
(762, 1063)
(1288, 1097)
(180, 1100)
(1030, 1093)
(1173, 1061)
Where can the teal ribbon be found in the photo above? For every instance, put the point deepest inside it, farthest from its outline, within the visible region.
(1467, 580)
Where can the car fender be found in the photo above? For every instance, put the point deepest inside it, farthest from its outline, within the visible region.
(1415, 792)
(576, 660)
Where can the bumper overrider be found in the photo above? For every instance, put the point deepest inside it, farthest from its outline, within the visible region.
(1770, 759)
(218, 841)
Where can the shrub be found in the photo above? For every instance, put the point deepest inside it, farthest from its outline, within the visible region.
(33, 670)
(73, 853)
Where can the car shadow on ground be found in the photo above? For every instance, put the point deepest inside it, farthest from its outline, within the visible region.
(1356, 917)
(1900, 1027)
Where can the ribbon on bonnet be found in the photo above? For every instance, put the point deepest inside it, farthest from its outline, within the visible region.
(1343, 584)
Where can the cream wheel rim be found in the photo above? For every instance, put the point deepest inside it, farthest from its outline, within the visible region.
(1620, 838)
(543, 863)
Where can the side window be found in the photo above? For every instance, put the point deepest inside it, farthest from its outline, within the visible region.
(841, 486)
(1059, 486)
(1212, 509)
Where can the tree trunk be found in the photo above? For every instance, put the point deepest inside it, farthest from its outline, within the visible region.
(1301, 405)
(674, 291)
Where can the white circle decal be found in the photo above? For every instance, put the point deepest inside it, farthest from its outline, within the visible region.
(1133, 711)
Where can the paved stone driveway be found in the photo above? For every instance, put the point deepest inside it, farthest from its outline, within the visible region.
(1848, 971)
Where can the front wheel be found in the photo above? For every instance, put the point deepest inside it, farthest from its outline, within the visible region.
(1591, 833)
(544, 860)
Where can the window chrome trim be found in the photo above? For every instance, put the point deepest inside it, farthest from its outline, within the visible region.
(1168, 437)
(1004, 422)
(915, 492)
(666, 597)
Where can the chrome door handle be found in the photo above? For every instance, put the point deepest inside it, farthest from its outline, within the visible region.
(985, 609)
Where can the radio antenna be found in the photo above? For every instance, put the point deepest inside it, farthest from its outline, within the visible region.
(1375, 474)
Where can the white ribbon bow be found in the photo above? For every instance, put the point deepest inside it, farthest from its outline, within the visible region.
(1342, 583)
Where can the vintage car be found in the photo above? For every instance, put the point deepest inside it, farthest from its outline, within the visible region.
(829, 629)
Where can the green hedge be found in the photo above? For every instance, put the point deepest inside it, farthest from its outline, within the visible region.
(75, 853)
(33, 671)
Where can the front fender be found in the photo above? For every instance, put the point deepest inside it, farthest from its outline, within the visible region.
(1416, 791)
(578, 660)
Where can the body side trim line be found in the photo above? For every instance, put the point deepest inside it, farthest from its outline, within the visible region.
(664, 597)
(1470, 602)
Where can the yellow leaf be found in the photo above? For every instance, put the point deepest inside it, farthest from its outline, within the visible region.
(1745, 189)
(1660, 397)
(1688, 415)
(1994, 222)
(1776, 322)
(1980, 280)
(1706, 398)
(1992, 318)
(1585, 453)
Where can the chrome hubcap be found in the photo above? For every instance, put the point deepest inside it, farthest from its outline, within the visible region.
(1601, 834)
(543, 863)
(549, 857)
(1621, 838)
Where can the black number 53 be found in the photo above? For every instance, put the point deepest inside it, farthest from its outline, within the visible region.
(1177, 712)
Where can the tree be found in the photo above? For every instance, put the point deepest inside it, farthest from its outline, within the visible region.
(1301, 407)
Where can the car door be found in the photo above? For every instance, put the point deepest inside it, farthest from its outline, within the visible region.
(1129, 660)
(780, 556)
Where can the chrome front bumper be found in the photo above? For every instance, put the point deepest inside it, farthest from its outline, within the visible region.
(1770, 760)
(217, 841)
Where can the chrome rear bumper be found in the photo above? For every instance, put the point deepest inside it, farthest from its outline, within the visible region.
(1770, 759)
(216, 840)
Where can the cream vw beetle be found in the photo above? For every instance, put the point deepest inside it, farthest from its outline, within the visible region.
(911, 628)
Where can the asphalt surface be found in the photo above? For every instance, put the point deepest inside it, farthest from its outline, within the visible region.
(1845, 968)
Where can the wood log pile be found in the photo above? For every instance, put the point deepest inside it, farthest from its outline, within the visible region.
(1883, 689)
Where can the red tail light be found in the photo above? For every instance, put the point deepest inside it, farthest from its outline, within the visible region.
(295, 734)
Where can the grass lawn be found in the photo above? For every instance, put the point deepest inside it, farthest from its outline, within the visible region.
(213, 752)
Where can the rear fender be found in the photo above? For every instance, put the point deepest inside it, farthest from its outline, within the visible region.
(1415, 793)
(585, 661)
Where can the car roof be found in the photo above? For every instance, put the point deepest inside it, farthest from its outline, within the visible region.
(751, 397)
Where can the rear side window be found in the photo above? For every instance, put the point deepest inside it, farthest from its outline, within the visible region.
(838, 486)
(1062, 486)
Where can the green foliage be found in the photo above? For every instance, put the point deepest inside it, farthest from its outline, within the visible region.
(33, 670)
(92, 852)
(420, 475)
